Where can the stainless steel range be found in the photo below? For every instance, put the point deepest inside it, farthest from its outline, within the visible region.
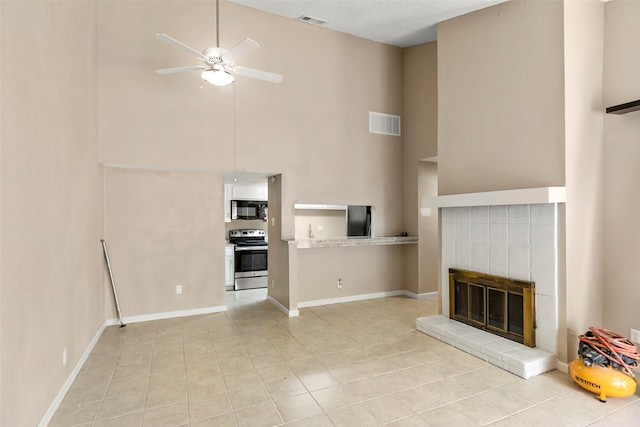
(250, 258)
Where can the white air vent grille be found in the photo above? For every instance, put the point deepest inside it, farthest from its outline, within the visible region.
(312, 20)
(385, 124)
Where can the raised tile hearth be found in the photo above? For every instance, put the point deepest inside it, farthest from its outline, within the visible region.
(513, 357)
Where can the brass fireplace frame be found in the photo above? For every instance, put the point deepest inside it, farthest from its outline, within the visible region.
(507, 286)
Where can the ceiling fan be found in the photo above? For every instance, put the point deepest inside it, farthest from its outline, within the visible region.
(219, 64)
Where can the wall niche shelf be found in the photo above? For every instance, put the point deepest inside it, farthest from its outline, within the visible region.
(624, 108)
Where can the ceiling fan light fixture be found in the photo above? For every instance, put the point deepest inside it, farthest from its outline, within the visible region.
(217, 77)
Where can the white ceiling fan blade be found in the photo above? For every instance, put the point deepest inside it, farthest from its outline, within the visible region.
(243, 48)
(165, 38)
(258, 74)
(180, 69)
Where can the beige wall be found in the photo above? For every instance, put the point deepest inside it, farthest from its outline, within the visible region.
(165, 229)
(279, 281)
(312, 128)
(420, 124)
(429, 242)
(621, 166)
(314, 122)
(51, 283)
(333, 222)
(420, 132)
(363, 270)
(583, 29)
(501, 98)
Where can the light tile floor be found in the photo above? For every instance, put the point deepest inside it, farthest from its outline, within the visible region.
(354, 364)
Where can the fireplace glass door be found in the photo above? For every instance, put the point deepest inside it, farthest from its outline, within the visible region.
(500, 305)
(497, 308)
(477, 303)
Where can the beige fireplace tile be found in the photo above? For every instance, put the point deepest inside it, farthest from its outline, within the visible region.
(463, 233)
(495, 349)
(480, 256)
(519, 261)
(498, 259)
(462, 214)
(530, 360)
(546, 335)
(543, 213)
(546, 307)
(498, 214)
(499, 234)
(543, 235)
(478, 340)
(463, 254)
(480, 214)
(448, 215)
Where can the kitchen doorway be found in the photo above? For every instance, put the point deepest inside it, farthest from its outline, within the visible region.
(245, 298)
(246, 223)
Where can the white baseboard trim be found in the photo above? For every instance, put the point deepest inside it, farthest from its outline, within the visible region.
(46, 418)
(282, 308)
(421, 296)
(167, 315)
(361, 297)
(562, 367)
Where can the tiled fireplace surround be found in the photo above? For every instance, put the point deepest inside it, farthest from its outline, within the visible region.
(516, 241)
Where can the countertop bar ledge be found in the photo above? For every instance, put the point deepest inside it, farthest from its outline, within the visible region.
(340, 242)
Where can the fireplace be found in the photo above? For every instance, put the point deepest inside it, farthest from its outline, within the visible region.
(500, 305)
(495, 234)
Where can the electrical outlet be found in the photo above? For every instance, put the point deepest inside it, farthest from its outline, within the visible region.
(339, 283)
(320, 227)
(64, 357)
(273, 283)
(178, 289)
(634, 335)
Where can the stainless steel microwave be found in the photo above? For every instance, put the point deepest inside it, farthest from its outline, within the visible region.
(248, 209)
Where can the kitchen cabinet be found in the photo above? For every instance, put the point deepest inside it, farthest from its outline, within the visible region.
(228, 267)
(228, 193)
(310, 206)
(249, 192)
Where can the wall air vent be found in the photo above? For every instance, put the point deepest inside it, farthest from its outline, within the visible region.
(312, 20)
(384, 124)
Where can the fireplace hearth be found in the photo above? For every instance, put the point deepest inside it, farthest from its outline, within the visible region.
(500, 305)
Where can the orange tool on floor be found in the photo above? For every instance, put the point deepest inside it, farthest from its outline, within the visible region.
(605, 364)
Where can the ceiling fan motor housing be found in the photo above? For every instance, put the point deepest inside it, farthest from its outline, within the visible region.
(214, 54)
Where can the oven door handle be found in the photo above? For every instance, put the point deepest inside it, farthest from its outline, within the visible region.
(251, 248)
